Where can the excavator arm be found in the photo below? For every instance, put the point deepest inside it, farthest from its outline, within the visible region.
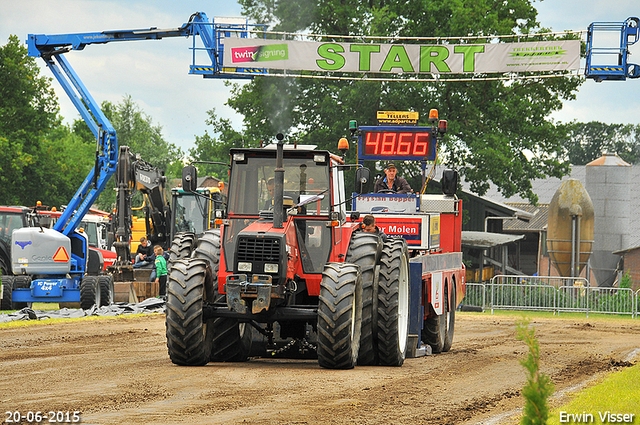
(134, 174)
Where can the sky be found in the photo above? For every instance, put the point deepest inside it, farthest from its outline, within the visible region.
(156, 73)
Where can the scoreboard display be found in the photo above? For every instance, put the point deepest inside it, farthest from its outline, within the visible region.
(397, 143)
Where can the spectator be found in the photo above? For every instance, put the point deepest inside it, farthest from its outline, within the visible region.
(161, 270)
(144, 253)
(392, 183)
(368, 225)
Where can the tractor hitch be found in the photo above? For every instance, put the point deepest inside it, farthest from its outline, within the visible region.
(260, 289)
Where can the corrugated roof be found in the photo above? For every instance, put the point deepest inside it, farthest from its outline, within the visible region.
(486, 240)
(536, 224)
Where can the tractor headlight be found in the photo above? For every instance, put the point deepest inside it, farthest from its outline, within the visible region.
(244, 266)
(270, 268)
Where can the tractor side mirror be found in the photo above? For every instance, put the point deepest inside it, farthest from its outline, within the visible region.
(190, 178)
(449, 182)
(363, 180)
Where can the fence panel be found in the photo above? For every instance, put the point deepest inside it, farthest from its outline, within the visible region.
(475, 295)
(549, 293)
(611, 300)
(509, 296)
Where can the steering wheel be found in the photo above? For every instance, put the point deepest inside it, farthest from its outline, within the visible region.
(386, 191)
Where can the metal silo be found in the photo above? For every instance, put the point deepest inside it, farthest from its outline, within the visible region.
(608, 181)
(570, 228)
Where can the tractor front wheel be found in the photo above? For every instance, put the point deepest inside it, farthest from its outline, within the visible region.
(339, 316)
(189, 287)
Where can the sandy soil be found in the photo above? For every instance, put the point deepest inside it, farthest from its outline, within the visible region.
(117, 371)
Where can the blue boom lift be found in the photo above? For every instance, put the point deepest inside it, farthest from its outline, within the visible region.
(56, 265)
(610, 62)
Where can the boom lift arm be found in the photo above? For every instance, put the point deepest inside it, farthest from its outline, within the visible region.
(57, 263)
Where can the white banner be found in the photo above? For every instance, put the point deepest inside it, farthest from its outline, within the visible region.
(402, 58)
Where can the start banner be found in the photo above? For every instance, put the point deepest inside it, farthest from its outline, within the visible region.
(387, 58)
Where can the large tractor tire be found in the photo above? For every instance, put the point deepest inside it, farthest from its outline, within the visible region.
(7, 293)
(451, 321)
(181, 247)
(208, 247)
(189, 288)
(393, 303)
(339, 316)
(5, 265)
(90, 293)
(106, 290)
(231, 340)
(364, 251)
(435, 330)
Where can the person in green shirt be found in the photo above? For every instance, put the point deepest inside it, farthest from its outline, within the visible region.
(161, 270)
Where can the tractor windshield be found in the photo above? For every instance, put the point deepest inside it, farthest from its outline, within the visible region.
(305, 181)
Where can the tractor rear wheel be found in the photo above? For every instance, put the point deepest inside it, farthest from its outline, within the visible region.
(7, 292)
(189, 287)
(451, 320)
(208, 247)
(339, 316)
(231, 340)
(434, 329)
(364, 251)
(106, 290)
(393, 303)
(89, 292)
(181, 247)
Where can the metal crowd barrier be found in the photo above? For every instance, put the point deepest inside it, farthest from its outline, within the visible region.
(550, 293)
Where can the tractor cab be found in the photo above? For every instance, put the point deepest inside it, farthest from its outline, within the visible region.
(282, 221)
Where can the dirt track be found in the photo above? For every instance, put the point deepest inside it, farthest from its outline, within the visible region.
(117, 371)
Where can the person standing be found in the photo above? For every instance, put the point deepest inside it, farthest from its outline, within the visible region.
(161, 270)
(391, 182)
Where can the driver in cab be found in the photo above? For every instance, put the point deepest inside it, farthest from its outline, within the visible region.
(391, 183)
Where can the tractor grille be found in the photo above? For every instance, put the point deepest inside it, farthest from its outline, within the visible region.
(258, 249)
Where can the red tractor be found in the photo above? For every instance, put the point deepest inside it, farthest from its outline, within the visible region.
(287, 271)
(288, 264)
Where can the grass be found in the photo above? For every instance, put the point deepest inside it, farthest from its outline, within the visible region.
(617, 393)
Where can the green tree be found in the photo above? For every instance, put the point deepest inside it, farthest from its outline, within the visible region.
(588, 141)
(498, 131)
(215, 149)
(136, 129)
(28, 113)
